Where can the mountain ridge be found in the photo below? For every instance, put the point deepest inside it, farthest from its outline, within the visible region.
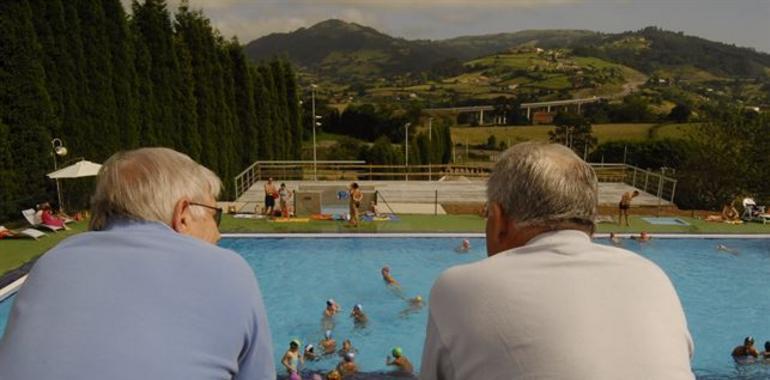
(361, 52)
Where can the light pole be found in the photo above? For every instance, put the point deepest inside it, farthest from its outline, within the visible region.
(58, 150)
(430, 156)
(406, 149)
(315, 123)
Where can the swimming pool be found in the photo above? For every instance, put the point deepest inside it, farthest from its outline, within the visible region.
(723, 293)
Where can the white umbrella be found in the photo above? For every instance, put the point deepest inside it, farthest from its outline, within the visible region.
(80, 169)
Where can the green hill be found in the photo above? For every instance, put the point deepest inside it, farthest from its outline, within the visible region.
(338, 48)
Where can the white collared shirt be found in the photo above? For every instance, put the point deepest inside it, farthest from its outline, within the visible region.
(560, 307)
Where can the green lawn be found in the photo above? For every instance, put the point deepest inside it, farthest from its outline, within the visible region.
(16, 252)
(603, 132)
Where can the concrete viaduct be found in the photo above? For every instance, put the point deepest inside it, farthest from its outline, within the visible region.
(530, 107)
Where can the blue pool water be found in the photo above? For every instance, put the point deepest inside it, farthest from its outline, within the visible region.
(725, 295)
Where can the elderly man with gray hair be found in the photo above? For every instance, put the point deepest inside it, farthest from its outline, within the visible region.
(548, 303)
(146, 294)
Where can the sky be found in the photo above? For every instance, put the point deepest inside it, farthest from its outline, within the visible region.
(740, 22)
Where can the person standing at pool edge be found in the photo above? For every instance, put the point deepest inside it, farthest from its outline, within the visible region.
(270, 195)
(146, 294)
(625, 205)
(548, 302)
(355, 198)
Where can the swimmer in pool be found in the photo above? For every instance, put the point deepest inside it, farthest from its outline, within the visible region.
(359, 318)
(766, 353)
(643, 237)
(347, 366)
(347, 346)
(328, 343)
(310, 353)
(465, 246)
(726, 249)
(333, 375)
(746, 350)
(400, 361)
(332, 308)
(614, 239)
(387, 277)
(291, 358)
(414, 305)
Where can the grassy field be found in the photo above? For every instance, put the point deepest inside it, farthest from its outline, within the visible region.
(16, 252)
(603, 132)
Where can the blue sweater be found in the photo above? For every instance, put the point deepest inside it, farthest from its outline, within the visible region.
(138, 301)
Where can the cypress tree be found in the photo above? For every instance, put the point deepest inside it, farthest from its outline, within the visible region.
(101, 110)
(294, 110)
(152, 23)
(188, 114)
(194, 32)
(264, 147)
(144, 94)
(123, 74)
(272, 132)
(245, 110)
(226, 116)
(25, 107)
(9, 185)
(284, 130)
(446, 133)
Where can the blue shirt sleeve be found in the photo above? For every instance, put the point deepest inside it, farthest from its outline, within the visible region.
(256, 359)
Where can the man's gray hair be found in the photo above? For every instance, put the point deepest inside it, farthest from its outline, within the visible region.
(146, 184)
(545, 185)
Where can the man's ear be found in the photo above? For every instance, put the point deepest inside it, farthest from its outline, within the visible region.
(499, 227)
(501, 221)
(180, 218)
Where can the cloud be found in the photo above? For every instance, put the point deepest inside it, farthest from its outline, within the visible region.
(446, 3)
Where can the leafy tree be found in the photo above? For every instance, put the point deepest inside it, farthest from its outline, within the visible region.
(573, 131)
(491, 142)
(680, 113)
(726, 161)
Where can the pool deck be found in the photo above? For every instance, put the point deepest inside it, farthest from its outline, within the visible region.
(418, 197)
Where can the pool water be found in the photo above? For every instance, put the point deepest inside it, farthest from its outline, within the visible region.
(724, 294)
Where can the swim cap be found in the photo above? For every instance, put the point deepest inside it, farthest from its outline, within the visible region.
(328, 334)
(418, 298)
(329, 302)
(309, 347)
(358, 307)
(767, 345)
(748, 340)
(397, 352)
(295, 342)
(349, 356)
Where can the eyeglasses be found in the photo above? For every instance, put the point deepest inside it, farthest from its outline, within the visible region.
(217, 211)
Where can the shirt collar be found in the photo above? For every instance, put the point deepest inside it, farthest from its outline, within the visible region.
(136, 224)
(559, 237)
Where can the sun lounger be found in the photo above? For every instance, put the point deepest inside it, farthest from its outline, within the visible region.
(30, 232)
(35, 221)
(604, 219)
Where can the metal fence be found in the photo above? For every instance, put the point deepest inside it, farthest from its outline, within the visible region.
(655, 183)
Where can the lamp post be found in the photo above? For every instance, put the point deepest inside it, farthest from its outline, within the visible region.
(58, 150)
(406, 149)
(315, 123)
(430, 156)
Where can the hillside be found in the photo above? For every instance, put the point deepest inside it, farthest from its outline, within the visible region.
(338, 48)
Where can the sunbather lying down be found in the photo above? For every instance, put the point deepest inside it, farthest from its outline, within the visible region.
(4, 233)
(729, 215)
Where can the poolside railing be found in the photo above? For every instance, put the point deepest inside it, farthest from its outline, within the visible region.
(655, 183)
